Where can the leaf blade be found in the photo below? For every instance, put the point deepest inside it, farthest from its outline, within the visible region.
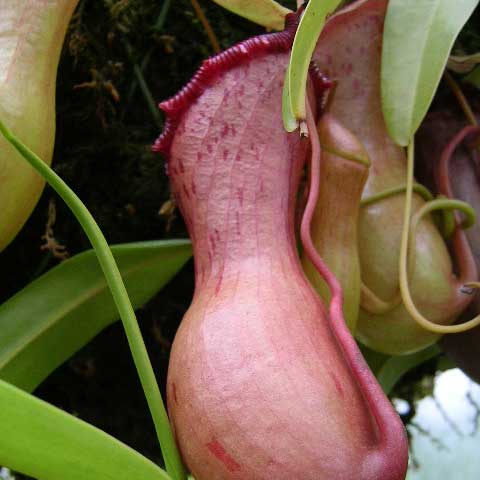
(268, 13)
(43, 441)
(418, 37)
(58, 313)
(396, 366)
(295, 85)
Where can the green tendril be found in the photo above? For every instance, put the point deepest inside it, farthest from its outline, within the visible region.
(449, 205)
(369, 301)
(445, 222)
(444, 204)
(114, 280)
(405, 263)
(391, 192)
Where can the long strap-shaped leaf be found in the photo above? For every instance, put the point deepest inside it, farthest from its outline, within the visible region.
(418, 37)
(57, 314)
(44, 442)
(170, 452)
(295, 86)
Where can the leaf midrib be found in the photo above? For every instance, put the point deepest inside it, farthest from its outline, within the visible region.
(419, 70)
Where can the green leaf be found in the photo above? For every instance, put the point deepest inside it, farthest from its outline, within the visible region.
(289, 121)
(295, 85)
(374, 359)
(395, 367)
(42, 441)
(418, 37)
(57, 314)
(268, 13)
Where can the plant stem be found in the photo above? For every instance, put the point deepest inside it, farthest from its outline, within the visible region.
(206, 25)
(459, 95)
(162, 16)
(147, 94)
(114, 280)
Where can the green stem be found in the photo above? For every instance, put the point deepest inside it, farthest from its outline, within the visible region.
(114, 280)
(147, 95)
(162, 16)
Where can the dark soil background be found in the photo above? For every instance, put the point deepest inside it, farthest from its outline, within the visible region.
(106, 124)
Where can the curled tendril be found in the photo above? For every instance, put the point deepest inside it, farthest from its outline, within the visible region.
(405, 263)
(446, 204)
(448, 225)
(370, 302)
